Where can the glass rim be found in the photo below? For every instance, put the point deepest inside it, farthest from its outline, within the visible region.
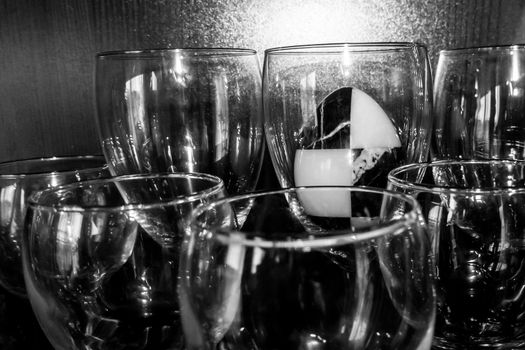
(482, 49)
(216, 187)
(190, 51)
(340, 238)
(334, 48)
(50, 160)
(438, 189)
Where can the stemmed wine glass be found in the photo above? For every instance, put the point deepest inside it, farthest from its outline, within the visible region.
(182, 110)
(346, 114)
(479, 103)
(359, 275)
(101, 259)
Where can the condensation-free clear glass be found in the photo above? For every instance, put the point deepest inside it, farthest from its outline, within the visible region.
(182, 110)
(101, 259)
(18, 180)
(346, 114)
(479, 103)
(308, 268)
(476, 215)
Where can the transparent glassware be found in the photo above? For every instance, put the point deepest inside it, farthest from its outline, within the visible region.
(308, 268)
(479, 102)
(101, 259)
(346, 114)
(182, 110)
(476, 214)
(18, 180)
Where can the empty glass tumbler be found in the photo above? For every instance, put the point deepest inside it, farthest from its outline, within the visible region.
(182, 110)
(479, 103)
(18, 180)
(308, 268)
(476, 214)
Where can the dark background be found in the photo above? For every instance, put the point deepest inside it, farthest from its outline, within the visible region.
(48, 47)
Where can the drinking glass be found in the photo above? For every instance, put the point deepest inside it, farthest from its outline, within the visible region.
(476, 213)
(479, 103)
(292, 273)
(101, 259)
(346, 114)
(20, 178)
(182, 110)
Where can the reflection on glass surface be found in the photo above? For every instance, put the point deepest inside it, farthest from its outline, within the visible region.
(194, 110)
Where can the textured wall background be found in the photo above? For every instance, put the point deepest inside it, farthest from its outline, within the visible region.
(47, 47)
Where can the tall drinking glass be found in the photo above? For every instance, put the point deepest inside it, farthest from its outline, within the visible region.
(18, 180)
(346, 114)
(356, 274)
(182, 110)
(479, 103)
(476, 214)
(101, 259)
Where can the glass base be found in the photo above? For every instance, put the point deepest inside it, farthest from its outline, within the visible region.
(440, 343)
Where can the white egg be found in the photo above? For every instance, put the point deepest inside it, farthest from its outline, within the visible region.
(370, 126)
(371, 132)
